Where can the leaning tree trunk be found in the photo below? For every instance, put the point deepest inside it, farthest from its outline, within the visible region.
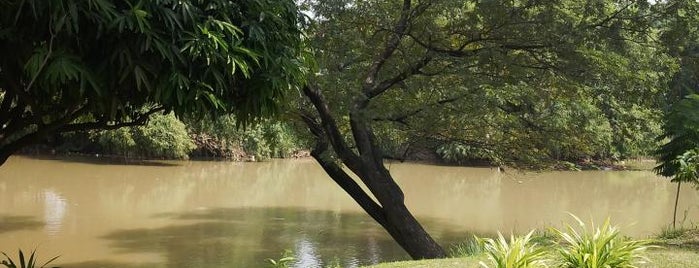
(367, 163)
(364, 158)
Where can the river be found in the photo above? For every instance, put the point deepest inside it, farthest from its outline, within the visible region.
(221, 214)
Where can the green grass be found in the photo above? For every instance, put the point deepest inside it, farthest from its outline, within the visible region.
(659, 258)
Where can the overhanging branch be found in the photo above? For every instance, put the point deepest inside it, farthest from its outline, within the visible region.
(106, 125)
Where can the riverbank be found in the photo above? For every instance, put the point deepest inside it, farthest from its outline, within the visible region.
(675, 249)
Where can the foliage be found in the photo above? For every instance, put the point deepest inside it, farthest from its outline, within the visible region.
(523, 83)
(520, 252)
(456, 152)
(162, 137)
(504, 97)
(284, 261)
(32, 262)
(669, 232)
(470, 247)
(119, 141)
(681, 130)
(688, 167)
(106, 60)
(265, 139)
(598, 247)
(680, 35)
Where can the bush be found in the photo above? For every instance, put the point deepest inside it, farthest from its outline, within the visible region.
(266, 139)
(119, 141)
(164, 136)
(520, 252)
(598, 247)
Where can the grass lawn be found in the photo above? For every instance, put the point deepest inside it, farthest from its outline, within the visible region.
(673, 257)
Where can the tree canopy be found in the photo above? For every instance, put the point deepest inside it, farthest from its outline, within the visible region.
(681, 121)
(74, 65)
(512, 82)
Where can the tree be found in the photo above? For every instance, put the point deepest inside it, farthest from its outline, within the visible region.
(677, 157)
(681, 130)
(70, 65)
(688, 166)
(481, 73)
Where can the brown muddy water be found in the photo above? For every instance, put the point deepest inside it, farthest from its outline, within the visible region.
(223, 214)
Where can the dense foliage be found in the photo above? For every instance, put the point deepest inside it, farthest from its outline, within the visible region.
(267, 139)
(681, 130)
(681, 122)
(166, 137)
(162, 137)
(116, 62)
(507, 82)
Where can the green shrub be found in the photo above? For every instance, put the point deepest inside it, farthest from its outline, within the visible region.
(118, 141)
(164, 137)
(471, 247)
(520, 252)
(266, 139)
(598, 247)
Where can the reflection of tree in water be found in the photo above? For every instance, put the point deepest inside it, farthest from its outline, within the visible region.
(245, 237)
(16, 223)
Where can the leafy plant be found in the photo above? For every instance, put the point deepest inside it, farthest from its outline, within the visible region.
(164, 136)
(32, 262)
(283, 262)
(670, 232)
(598, 247)
(469, 248)
(520, 252)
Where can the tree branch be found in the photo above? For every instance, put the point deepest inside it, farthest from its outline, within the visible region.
(405, 74)
(331, 129)
(340, 176)
(389, 48)
(105, 125)
(402, 117)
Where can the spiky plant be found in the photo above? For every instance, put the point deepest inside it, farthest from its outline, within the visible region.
(32, 262)
(598, 247)
(520, 252)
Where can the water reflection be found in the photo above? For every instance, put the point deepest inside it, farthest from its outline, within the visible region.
(54, 210)
(18, 223)
(246, 237)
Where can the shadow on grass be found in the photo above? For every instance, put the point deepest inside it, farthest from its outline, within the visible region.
(18, 223)
(246, 237)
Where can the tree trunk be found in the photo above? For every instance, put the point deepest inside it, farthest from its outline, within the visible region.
(409, 234)
(394, 216)
(388, 208)
(677, 199)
